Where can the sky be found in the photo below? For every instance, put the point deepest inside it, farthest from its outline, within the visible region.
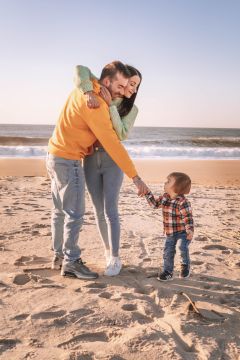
(188, 52)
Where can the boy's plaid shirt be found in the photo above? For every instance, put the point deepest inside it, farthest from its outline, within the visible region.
(177, 213)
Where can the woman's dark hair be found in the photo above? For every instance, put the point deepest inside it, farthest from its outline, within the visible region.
(126, 105)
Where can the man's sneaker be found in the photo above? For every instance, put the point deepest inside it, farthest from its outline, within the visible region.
(57, 262)
(165, 276)
(114, 266)
(185, 271)
(78, 269)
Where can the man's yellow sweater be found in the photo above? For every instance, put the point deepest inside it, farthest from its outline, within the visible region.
(79, 127)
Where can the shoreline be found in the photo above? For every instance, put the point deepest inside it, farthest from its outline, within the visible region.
(207, 172)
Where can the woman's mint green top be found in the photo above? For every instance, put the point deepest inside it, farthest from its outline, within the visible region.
(123, 125)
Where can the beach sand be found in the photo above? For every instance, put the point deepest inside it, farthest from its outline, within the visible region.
(131, 316)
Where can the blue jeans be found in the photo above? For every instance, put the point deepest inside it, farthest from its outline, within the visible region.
(170, 250)
(104, 179)
(68, 195)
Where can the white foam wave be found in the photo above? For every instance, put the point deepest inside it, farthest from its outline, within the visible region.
(138, 151)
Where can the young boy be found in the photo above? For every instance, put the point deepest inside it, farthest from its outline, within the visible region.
(177, 221)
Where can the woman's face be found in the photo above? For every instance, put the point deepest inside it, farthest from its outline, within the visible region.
(132, 85)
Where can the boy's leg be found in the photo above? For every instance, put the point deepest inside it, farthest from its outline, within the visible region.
(184, 250)
(184, 253)
(169, 253)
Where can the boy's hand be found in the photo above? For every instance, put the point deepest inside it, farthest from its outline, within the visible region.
(189, 235)
(92, 100)
(105, 94)
(142, 187)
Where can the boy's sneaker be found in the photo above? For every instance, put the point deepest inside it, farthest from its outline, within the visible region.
(78, 269)
(165, 276)
(57, 262)
(185, 271)
(114, 266)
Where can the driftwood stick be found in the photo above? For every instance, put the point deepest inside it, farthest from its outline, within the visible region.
(192, 303)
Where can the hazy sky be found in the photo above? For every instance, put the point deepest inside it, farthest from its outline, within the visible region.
(187, 50)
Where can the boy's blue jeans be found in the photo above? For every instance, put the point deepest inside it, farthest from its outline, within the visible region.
(68, 195)
(170, 250)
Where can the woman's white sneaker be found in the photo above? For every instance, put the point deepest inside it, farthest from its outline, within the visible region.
(114, 266)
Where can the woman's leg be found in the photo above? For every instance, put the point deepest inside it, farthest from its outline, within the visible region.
(112, 181)
(94, 181)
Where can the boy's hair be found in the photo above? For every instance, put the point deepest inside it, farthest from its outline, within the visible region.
(182, 183)
(111, 69)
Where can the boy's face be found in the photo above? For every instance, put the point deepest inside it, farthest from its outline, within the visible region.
(169, 185)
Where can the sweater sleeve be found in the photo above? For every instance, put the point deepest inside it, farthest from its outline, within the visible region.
(186, 213)
(123, 125)
(98, 121)
(83, 78)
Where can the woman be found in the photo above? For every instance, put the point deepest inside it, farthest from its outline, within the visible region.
(104, 186)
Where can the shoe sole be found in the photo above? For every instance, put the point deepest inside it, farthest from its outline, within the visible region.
(78, 276)
(170, 279)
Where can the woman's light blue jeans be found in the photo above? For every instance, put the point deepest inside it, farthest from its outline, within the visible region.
(68, 195)
(170, 250)
(104, 179)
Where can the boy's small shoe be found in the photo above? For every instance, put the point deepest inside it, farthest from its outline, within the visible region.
(165, 276)
(114, 266)
(57, 262)
(185, 271)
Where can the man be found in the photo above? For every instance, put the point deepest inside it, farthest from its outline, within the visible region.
(76, 131)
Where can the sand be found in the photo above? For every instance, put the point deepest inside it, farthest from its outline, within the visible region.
(131, 316)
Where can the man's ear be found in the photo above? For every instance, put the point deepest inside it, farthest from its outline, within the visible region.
(106, 81)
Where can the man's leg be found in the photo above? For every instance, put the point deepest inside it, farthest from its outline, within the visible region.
(69, 180)
(57, 218)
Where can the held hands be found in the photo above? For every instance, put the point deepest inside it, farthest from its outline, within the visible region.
(105, 95)
(92, 100)
(141, 186)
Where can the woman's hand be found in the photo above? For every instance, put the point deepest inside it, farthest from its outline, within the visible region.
(92, 100)
(105, 94)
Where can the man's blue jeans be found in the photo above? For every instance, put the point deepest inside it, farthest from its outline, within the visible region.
(68, 195)
(170, 250)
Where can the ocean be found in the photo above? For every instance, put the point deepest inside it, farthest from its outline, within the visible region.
(144, 142)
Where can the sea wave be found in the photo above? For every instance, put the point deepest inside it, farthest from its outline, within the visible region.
(22, 140)
(137, 151)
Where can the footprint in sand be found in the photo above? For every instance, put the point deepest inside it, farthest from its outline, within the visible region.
(45, 315)
(129, 307)
(21, 279)
(20, 317)
(214, 247)
(30, 260)
(105, 295)
(6, 344)
(76, 341)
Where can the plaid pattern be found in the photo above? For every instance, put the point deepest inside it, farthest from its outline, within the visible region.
(177, 213)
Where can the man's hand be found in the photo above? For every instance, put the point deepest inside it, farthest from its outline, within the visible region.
(92, 100)
(105, 94)
(142, 187)
(189, 235)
